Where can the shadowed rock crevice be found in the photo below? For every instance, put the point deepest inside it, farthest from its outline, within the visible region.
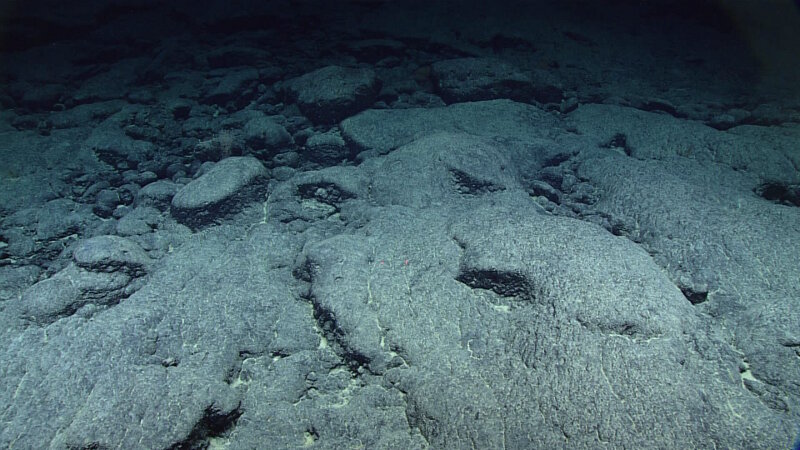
(619, 142)
(504, 284)
(335, 336)
(467, 184)
(694, 295)
(214, 424)
(781, 193)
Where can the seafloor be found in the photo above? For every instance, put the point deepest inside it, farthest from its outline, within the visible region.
(399, 225)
